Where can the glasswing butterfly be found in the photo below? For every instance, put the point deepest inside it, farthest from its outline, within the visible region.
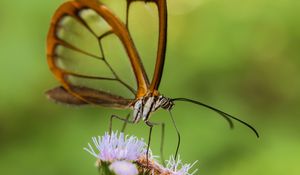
(67, 47)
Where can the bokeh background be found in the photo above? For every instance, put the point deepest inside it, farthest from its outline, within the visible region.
(240, 56)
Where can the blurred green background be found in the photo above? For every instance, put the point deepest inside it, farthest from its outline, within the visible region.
(240, 56)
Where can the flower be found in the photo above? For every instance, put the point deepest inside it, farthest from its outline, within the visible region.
(176, 167)
(124, 155)
(123, 168)
(111, 147)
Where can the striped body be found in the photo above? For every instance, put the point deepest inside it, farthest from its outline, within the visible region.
(144, 106)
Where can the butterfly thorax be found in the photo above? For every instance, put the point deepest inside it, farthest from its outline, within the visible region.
(144, 106)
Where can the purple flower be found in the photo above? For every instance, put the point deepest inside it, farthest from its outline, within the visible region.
(113, 147)
(123, 154)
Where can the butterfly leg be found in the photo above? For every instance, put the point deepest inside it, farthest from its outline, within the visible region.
(162, 143)
(125, 123)
(125, 120)
(150, 124)
(149, 140)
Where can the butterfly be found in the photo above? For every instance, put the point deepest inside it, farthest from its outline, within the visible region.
(98, 21)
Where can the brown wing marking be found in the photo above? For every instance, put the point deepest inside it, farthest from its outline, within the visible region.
(61, 95)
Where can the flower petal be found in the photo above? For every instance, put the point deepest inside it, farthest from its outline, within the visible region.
(123, 168)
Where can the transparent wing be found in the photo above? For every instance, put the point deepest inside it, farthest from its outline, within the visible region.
(91, 53)
(147, 22)
(158, 36)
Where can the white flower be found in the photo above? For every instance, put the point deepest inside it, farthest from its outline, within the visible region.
(113, 147)
(123, 168)
(176, 167)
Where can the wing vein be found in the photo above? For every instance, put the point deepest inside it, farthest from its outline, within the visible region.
(72, 47)
(109, 66)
